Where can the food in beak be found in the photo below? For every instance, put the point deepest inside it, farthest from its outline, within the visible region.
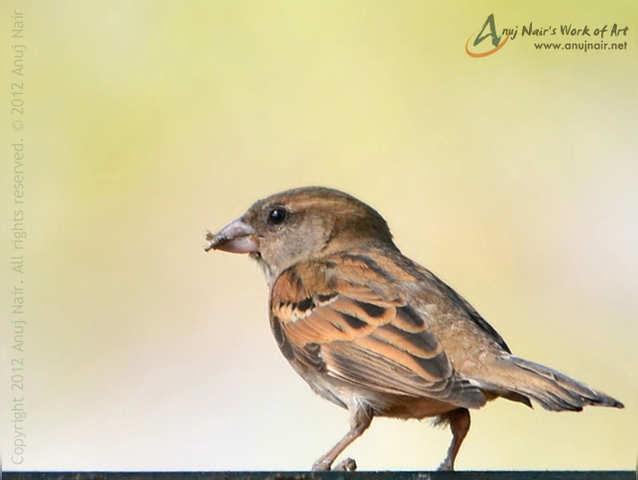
(236, 237)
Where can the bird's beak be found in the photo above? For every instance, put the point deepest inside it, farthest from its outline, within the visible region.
(236, 237)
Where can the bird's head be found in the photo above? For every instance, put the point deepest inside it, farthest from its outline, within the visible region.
(301, 224)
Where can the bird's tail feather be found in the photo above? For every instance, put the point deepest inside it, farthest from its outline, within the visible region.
(521, 380)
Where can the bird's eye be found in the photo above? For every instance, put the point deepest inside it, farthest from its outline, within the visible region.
(277, 215)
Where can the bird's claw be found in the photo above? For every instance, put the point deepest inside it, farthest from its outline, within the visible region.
(446, 466)
(347, 465)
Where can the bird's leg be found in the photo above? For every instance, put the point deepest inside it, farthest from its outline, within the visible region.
(360, 418)
(459, 424)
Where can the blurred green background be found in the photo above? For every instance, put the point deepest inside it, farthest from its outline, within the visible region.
(513, 177)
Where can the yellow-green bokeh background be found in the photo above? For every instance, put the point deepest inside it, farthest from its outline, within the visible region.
(513, 177)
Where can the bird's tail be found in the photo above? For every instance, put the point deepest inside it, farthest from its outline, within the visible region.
(521, 380)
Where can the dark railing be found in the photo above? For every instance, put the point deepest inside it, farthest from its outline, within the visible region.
(467, 475)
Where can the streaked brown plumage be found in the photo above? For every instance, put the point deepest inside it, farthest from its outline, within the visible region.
(374, 332)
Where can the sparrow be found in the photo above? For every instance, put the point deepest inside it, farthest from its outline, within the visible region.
(374, 332)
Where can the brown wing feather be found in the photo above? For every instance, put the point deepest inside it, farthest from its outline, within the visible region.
(361, 335)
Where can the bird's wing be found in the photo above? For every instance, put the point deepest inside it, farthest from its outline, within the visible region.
(334, 317)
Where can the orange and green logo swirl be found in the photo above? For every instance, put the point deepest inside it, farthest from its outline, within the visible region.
(497, 43)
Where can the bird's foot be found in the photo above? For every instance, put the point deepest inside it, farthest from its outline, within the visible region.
(446, 466)
(347, 465)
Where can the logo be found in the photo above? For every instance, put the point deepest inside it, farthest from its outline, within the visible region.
(550, 37)
(497, 44)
